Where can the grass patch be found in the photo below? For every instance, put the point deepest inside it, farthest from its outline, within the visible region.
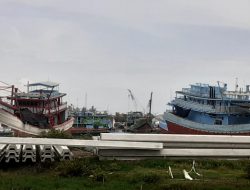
(90, 173)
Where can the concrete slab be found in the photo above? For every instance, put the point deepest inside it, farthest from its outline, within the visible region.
(14, 158)
(29, 153)
(174, 138)
(27, 157)
(63, 152)
(206, 145)
(47, 153)
(47, 158)
(13, 147)
(184, 153)
(2, 151)
(82, 143)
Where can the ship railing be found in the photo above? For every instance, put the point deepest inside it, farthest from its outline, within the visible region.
(188, 91)
(7, 109)
(55, 109)
(46, 111)
(206, 108)
(193, 105)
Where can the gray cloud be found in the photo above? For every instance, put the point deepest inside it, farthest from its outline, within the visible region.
(105, 47)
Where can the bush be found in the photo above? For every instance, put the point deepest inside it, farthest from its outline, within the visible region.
(248, 171)
(111, 166)
(75, 168)
(177, 187)
(86, 136)
(154, 163)
(148, 178)
(151, 178)
(99, 176)
(58, 134)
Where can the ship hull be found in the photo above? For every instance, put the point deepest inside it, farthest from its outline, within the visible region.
(178, 129)
(178, 125)
(16, 124)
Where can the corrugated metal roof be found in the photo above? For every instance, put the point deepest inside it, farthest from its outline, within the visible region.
(46, 84)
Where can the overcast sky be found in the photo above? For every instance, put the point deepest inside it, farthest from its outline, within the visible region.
(104, 47)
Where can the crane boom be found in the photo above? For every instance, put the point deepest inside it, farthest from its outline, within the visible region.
(130, 95)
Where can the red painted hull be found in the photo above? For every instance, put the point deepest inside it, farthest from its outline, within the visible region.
(178, 129)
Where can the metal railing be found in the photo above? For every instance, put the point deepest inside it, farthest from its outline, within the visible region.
(217, 109)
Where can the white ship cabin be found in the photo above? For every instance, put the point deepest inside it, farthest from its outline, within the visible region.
(205, 91)
(42, 89)
(239, 94)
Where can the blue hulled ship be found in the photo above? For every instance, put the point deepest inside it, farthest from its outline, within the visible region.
(206, 109)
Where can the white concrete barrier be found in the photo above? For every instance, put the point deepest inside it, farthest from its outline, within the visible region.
(181, 153)
(206, 145)
(2, 151)
(29, 153)
(47, 153)
(82, 143)
(63, 152)
(165, 138)
(134, 146)
(231, 153)
(13, 152)
(183, 146)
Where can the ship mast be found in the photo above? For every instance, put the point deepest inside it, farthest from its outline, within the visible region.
(150, 103)
(222, 98)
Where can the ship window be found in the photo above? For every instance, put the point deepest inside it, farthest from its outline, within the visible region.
(218, 122)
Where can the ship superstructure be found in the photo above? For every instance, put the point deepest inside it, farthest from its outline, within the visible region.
(40, 108)
(206, 109)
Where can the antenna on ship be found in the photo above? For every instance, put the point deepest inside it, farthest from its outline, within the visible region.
(221, 94)
(236, 84)
(220, 90)
(28, 87)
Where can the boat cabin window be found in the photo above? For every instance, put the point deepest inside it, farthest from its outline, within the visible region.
(218, 122)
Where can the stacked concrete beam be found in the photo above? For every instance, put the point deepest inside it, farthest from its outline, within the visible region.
(2, 151)
(173, 138)
(29, 153)
(47, 153)
(63, 152)
(184, 146)
(184, 153)
(13, 152)
(82, 143)
(184, 141)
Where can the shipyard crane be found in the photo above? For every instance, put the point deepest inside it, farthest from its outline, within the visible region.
(132, 97)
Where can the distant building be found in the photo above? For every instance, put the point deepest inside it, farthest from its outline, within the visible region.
(88, 121)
